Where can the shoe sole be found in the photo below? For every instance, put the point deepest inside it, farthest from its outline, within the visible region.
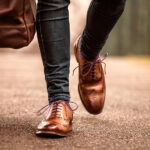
(52, 133)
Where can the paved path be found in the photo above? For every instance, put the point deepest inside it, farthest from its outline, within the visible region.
(123, 125)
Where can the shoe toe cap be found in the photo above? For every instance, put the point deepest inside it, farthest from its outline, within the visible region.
(94, 104)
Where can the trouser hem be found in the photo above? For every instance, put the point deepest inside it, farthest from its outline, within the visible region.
(59, 97)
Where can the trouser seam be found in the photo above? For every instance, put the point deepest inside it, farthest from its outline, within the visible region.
(41, 35)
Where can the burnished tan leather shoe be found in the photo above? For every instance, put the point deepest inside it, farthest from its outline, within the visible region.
(91, 85)
(58, 120)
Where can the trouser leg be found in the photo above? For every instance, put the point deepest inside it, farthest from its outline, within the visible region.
(101, 17)
(54, 40)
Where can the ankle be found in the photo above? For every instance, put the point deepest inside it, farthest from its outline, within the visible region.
(87, 57)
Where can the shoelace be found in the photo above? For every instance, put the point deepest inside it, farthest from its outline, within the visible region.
(91, 66)
(56, 110)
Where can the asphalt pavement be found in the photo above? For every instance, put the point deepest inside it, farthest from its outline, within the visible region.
(124, 123)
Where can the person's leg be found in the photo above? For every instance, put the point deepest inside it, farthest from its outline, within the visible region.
(101, 17)
(54, 40)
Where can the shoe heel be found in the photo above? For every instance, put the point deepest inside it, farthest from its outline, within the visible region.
(76, 48)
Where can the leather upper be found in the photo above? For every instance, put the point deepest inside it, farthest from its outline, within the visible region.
(91, 86)
(58, 121)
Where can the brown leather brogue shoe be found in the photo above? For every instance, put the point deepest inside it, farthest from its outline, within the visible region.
(58, 120)
(91, 85)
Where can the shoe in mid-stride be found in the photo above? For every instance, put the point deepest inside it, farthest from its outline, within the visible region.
(91, 87)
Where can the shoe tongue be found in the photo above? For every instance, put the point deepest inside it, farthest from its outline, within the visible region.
(88, 59)
(56, 110)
